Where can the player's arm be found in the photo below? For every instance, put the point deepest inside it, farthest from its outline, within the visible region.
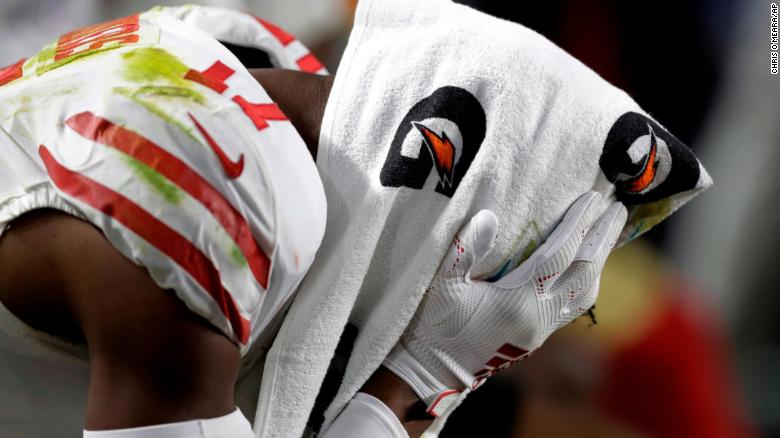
(386, 407)
(301, 96)
(466, 330)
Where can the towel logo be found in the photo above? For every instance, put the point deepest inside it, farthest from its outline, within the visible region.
(645, 162)
(443, 132)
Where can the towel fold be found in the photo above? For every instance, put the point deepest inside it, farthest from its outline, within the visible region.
(439, 111)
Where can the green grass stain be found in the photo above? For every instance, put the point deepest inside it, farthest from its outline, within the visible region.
(76, 57)
(159, 183)
(63, 92)
(156, 110)
(638, 229)
(154, 66)
(520, 255)
(44, 61)
(44, 56)
(534, 243)
(646, 216)
(172, 92)
(23, 104)
(160, 75)
(237, 256)
(40, 99)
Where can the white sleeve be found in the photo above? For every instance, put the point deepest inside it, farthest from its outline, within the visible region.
(366, 417)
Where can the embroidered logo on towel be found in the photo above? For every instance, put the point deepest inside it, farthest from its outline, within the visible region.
(437, 140)
(645, 162)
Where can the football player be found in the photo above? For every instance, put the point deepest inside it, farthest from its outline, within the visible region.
(158, 210)
(159, 205)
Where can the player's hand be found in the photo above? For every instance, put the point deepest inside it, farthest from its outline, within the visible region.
(466, 330)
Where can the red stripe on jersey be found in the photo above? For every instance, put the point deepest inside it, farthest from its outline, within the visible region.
(310, 64)
(164, 238)
(510, 350)
(260, 113)
(121, 31)
(11, 73)
(213, 77)
(103, 131)
(278, 33)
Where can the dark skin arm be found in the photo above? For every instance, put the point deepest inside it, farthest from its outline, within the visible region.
(397, 396)
(302, 98)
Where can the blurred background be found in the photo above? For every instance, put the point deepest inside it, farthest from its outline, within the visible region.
(687, 334)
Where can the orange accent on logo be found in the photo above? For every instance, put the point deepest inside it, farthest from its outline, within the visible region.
(123, 31)
(233, 169)
(647, 175)
(11, 73)
(442, 150)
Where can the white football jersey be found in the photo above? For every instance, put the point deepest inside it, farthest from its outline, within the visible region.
(152, 130)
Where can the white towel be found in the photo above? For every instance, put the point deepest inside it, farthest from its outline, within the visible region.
(438, 111)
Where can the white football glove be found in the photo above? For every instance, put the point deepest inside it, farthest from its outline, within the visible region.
(466, 330)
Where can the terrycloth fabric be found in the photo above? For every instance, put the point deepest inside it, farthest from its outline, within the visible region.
(438, 111)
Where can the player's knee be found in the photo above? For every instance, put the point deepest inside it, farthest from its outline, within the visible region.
(152, 360)
(157, 363)
(179, 360)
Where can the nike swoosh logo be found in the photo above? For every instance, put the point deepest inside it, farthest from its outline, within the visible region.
(233, 169)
